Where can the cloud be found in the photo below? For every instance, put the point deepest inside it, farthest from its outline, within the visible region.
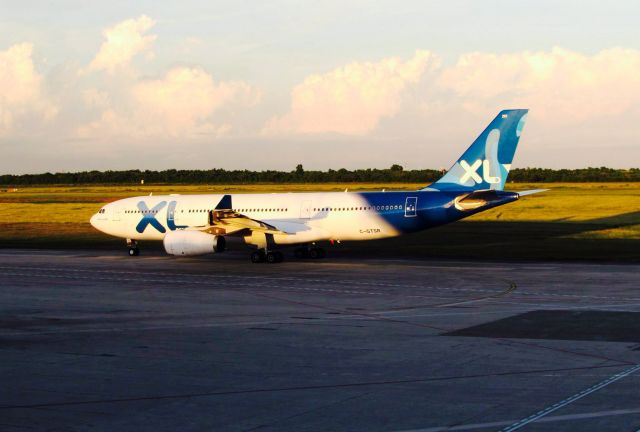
(123, 42)
(21, 88)
(182, 103)
(404, 106)
(351, 99)
(560, 86)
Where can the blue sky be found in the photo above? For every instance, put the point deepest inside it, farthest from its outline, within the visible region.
(266, 85)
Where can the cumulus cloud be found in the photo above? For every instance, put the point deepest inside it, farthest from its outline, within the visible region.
(21, 88)
(184, 101)
(576, 99)
(179, 104)
(352, 99)
(560, 86)
(123, 41)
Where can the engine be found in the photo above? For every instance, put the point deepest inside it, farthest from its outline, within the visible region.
(185, 243)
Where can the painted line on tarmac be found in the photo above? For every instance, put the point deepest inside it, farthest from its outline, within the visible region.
(238, 278)
(550, 419)
(178, 282)
(313, 387)
(145, 328)
(315, 280)
(542, 413)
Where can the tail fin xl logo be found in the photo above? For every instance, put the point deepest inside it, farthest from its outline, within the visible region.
(471, 172)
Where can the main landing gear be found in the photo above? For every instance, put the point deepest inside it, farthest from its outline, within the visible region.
(133, 247)
(270, 257)
(310, 252)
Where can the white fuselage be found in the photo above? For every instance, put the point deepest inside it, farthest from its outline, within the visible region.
(302, 217)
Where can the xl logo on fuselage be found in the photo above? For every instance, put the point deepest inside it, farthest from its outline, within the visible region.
(149, 217)
(471, 172)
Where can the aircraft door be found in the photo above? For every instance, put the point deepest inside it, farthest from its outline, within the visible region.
(116, 214)
(305, 210)
(411, 207)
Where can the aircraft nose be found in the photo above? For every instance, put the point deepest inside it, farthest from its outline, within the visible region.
(94, 221)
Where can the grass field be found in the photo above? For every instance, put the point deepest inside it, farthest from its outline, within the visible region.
(599, 221)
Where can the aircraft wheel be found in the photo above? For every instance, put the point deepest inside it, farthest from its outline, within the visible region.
(301, 253)
(316, 253)
(134, 251)
(257, 257)
(274, 257)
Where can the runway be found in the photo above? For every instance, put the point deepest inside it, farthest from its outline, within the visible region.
(100, 341)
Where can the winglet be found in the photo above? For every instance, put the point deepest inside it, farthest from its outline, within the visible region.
(225, 203)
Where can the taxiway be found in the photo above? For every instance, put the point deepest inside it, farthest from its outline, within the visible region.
(101, 341)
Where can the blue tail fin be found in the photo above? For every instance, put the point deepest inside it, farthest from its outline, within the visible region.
(486, 164)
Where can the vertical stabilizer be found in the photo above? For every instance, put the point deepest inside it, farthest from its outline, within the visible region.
(486, 163)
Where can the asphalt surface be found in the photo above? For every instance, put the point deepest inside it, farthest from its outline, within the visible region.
(99, 341)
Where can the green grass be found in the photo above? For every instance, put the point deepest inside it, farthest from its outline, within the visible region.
(599, 221)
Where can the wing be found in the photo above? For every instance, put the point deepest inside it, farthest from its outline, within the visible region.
(225, 221)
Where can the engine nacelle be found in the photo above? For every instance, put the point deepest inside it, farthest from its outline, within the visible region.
(185, 243)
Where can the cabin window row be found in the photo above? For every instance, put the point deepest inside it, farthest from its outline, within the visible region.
(379, 208)
(389, 207)
(243, 210)
(205, 211)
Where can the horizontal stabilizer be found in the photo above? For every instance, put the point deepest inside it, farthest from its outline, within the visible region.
(531, 192)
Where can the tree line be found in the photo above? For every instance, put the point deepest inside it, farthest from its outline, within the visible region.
(394, 174)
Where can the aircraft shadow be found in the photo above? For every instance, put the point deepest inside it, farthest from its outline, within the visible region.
(564, 240)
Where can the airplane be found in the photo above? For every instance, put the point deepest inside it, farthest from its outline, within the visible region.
(201, 224)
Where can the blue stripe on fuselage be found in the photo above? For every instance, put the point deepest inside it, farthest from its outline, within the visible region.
(433, 208)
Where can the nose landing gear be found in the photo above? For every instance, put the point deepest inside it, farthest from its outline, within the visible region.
(133, 247)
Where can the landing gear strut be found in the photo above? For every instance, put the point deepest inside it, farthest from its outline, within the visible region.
(310, 252)
(133, 247)
(270, 257)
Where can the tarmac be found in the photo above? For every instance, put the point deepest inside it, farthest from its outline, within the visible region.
(99, 341)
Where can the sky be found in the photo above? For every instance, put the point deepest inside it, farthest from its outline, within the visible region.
(330, 84)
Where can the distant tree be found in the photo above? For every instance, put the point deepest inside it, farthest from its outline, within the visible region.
(394, 174)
